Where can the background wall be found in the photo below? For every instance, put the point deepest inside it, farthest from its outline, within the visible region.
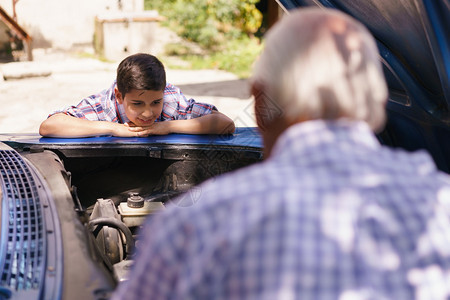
(64, 24)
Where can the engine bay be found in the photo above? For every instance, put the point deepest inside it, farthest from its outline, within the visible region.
(112, 193)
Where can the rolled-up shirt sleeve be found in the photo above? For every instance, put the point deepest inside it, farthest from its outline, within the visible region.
(86, 109)
(97, 107)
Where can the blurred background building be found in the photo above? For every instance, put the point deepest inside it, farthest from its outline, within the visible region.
(114, 28)
(67, 24)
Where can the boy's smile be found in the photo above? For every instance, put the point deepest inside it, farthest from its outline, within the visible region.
(142, 107)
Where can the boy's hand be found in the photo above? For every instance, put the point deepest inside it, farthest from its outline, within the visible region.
(157, 128)
(121, 130)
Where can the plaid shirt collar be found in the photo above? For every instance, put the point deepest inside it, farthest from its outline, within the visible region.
(317, 133)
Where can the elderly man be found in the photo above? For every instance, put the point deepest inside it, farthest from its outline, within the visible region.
(330, 213)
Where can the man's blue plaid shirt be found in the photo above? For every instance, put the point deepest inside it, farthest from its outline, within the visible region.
(331, 214)
(104, 107)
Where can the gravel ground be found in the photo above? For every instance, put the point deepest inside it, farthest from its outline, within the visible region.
(53, 80)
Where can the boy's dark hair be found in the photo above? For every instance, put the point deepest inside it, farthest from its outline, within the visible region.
(140, 72)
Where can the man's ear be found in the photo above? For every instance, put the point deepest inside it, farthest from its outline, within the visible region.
(257, 90)
(118, 95)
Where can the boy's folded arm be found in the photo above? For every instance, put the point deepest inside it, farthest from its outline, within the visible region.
(214, 123)
(65, 126)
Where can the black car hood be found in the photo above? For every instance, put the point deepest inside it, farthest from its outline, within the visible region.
(413, 37)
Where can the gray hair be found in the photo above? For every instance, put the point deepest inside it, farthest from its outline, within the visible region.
(322, 64)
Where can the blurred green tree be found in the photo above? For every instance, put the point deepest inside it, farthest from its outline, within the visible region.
(210, 23)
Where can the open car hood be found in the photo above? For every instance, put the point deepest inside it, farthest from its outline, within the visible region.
(413, 38)
(245, 139)
(68, 212)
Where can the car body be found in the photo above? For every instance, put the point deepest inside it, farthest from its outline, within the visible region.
(67, 231)
(413, 38)
(70, 208)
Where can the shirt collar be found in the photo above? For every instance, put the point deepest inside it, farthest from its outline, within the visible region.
(317, 133)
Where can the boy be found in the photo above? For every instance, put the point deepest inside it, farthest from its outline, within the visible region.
(135, 106)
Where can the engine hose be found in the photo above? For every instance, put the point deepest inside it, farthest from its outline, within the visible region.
(129, 246)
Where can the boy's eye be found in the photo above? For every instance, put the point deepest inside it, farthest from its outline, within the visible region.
(136, 103)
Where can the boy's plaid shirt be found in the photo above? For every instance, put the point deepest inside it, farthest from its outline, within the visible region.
(104, 107)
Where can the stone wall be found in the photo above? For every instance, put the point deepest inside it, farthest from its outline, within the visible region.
(120, 34)
(65, 24)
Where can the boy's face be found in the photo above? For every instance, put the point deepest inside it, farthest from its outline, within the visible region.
(142, 107)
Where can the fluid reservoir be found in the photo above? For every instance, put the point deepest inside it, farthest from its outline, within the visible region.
(136, 209)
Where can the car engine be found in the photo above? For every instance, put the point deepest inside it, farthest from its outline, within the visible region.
(104, 194)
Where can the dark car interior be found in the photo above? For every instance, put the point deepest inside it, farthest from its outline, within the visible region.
(414, 45)
(72, 212)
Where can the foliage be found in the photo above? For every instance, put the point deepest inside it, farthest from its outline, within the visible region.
(209, 22)
(237, 57)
